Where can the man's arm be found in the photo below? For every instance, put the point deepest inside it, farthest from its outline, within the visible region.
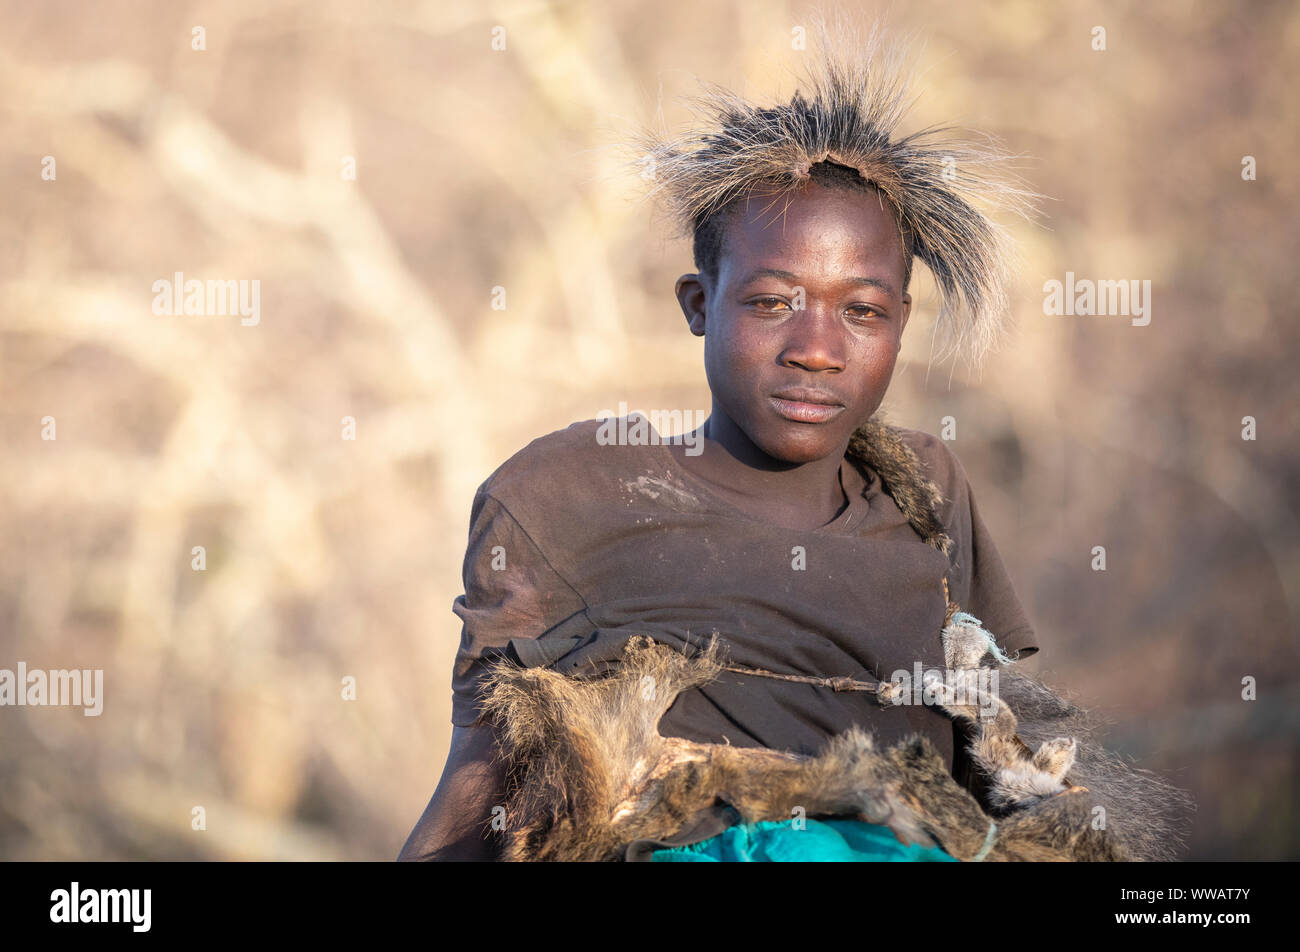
(511, 592)
(456, 825)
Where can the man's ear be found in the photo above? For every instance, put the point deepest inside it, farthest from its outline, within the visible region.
(692, 295)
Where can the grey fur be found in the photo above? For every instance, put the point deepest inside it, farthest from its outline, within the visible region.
(1031, 738)
(1146, 813)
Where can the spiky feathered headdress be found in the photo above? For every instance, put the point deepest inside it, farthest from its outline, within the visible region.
(848, 114)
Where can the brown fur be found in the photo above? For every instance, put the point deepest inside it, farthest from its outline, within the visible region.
(589, 772)
(880, 446)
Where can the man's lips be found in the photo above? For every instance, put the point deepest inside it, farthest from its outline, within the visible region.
(806, 405)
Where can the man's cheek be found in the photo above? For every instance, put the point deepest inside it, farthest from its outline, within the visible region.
(727, 359)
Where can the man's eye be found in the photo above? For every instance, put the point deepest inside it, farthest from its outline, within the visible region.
(865, 310)
(768, 303)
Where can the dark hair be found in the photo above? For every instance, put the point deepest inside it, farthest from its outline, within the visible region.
(710, 230)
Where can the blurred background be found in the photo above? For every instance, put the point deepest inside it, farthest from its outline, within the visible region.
(379, 169)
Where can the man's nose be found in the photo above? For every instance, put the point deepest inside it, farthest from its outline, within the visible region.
(816, 341)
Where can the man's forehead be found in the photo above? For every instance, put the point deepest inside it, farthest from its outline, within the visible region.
(881, 282)
(817, 241)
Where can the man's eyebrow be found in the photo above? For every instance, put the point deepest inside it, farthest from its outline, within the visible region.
(769, 273)
(757, 273)
(875, 283)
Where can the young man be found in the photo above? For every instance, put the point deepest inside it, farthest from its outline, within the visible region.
(781, 535)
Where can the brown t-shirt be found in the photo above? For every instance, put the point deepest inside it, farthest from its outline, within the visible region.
(574, 546)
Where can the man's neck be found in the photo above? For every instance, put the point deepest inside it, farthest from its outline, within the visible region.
(794, 495)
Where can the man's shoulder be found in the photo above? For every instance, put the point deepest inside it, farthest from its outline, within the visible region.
(937, 458)
(554, 464)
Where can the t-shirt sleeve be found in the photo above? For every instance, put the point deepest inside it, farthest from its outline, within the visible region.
(993, 599)
(983, 586)
(511, 591)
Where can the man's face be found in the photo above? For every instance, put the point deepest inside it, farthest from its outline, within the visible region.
(798, 377)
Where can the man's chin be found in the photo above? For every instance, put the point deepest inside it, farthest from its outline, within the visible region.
(800, 448)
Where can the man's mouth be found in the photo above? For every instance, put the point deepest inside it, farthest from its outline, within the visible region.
(806, 405)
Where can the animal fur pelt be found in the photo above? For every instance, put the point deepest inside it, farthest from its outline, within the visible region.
(589, 773)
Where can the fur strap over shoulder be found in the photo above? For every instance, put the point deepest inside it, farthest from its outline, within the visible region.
(880, 446)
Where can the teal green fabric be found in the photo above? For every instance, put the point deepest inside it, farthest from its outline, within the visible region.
(835, 840)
